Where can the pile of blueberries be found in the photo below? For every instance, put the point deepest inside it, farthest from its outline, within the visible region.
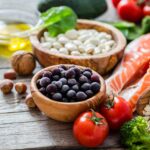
(69, 84)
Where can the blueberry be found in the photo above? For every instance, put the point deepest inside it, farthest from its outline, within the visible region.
(51, 88)
(47, 74)
(89, 93)
(77, 71)
(75, 88)
(56, 71)
(53, 82)
(95, 87)
(63, 80)
(83, 79)
(70, 73)
(65, 88)
(57, 96)
(81, 96)
(87, 74)
(63, 67)
(87, 69)
(72, 82)
(44, 81)
(38, 83)
(58, 84)
(95, 78)
(85, 86)
(71, 94)
(56, 77)
(63, 74)
(43, 90)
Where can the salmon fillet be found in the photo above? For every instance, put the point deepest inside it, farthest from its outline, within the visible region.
(134, 92)
(133, 65)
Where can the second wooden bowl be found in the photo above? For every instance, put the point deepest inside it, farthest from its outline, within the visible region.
(102, 63)
(66, 112)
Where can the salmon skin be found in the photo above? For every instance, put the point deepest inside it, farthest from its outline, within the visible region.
(134, 65)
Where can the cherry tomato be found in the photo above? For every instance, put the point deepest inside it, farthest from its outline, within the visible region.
(115, 2)
(129, 10)
(90, 129)
(146, 10)
(116, 112)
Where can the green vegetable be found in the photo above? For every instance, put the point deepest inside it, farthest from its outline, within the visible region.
(146, 25)
(58, 20)
(135, 134)
(132, 31)
(83, 8)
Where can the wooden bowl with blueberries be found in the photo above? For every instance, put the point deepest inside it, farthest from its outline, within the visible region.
(93, 44)
(62, 92)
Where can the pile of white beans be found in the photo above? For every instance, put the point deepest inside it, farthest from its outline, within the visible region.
(79, 42)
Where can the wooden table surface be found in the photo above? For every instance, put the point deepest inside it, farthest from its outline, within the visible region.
(22, 128)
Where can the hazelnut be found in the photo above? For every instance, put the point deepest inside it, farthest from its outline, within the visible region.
(6, 86)
(10, 74)
(20, 87)
(29, 101)
(23, 62)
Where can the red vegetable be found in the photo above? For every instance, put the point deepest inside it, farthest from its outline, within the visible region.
(129, 10)
(146, 10)
(116, 112)
(90, 129)
(115, 2)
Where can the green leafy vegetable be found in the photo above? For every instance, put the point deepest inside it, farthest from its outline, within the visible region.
(132, 31)
(58, 20)
(135, 134)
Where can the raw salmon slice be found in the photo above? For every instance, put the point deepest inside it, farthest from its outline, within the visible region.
(134, 92)
(133, 65)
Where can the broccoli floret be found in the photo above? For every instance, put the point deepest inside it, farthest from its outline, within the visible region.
(135, 134)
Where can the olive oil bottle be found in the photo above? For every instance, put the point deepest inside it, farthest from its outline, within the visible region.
(9, 46)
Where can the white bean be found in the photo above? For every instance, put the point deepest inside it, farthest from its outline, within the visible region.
(46, 45)
(83, 37)
(77, 42)
(63, 51)
(75, 53)
(57, 45)
(71, 47)
(90, 48)
(63, 40)
(81, 48)
(92, 40)
(97, 50)
(72, 34)
(54, 50)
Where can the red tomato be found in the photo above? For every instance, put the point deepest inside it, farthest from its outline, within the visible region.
(116, 112)
(146, 10)
(130, 11)
(115, 2)
(90, 129)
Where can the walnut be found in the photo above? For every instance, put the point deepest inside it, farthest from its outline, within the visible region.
(23, 62)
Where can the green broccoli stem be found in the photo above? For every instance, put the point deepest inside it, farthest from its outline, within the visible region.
(145, 139)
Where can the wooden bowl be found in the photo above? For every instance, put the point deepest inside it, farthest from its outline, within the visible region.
(66, 112)
(102, 63)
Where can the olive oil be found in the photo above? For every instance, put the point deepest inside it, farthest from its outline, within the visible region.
(14, 43)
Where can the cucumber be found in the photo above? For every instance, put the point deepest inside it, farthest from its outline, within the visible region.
(85, 9)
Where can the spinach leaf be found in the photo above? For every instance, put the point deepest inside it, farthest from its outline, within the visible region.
(58, 20)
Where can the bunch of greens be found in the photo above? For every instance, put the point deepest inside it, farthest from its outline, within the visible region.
(56, 20)
(135, 134)
(132, 31)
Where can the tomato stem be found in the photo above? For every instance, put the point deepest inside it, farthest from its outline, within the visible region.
(95, 119)
(110, 101)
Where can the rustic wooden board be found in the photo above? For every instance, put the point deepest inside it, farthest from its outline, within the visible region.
(22, 128)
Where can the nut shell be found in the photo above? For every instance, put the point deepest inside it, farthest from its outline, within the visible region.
(10, 74)
(29, 101)
(20, 87)
(23, 62)
(6, 86)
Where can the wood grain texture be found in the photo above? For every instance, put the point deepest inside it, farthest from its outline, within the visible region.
(22, 128)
